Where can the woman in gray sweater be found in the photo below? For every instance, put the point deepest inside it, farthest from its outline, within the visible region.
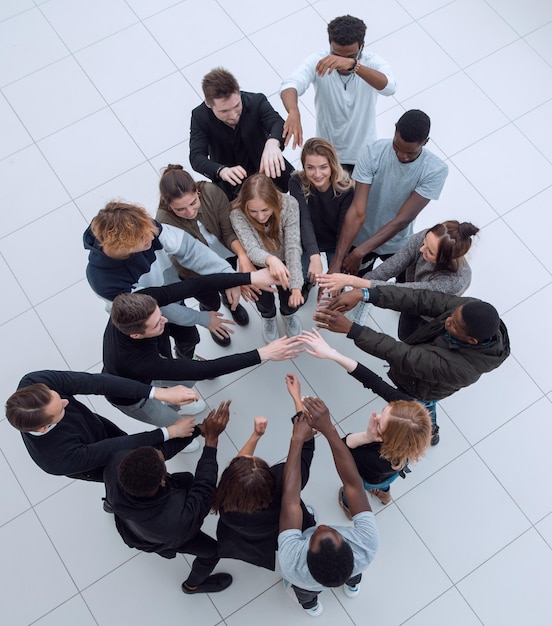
(267, 225)
(432, 259)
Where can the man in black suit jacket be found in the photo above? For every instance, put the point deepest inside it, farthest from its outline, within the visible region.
(234, 134)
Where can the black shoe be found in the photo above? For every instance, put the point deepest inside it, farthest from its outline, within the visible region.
(107, 506)
(212, 584)
(434, 434)
(224, 342)
(240, 316)
(305, 290)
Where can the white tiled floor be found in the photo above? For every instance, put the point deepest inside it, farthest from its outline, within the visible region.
(95, 99)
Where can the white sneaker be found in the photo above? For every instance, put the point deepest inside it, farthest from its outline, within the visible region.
(293, 325)
(192, 408)
(270, 329)
(193, 446)
(316, 610)
(351, 591)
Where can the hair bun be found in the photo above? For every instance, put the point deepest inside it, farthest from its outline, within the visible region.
(170, 166)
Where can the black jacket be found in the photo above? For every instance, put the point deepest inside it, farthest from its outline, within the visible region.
(81, 444)
(167, 522)
(253, 537)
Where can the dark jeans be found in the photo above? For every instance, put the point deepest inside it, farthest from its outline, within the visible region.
(266, 304)
(309, 599)
(185, 338)
(201, 545)
(211, 301)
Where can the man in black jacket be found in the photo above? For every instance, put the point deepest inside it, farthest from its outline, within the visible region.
(65, 438)
(163, 513)
(234, 134)
(464, 338)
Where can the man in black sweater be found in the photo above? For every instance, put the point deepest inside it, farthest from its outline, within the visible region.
(234, 134)
(64, 437)
(137, 343)
(163, 513)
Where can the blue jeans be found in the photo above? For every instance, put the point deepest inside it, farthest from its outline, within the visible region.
(383, 486)
(431, 406)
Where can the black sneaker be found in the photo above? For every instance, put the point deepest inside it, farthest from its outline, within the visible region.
(212, 584)
(223, 342)
(305, 290)
(434, 434)
(107, 506)
(240, 316)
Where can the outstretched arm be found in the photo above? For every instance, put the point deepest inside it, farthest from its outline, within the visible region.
(259, 428)
(318, 416)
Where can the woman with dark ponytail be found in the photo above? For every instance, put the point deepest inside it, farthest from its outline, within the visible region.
(432, 259)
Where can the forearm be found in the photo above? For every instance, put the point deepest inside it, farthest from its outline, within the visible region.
(250, 445)
(344, 462)
(290, 100)
(291, 486)
(375, 79)
(386, 232)
(351, 226)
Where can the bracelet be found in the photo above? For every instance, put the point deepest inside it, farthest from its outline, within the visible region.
(298, 414)
(365, 294)
(354, 67)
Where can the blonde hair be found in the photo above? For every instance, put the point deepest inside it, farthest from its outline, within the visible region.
(120, 227)
(261, 187)
(407, 434)
(340, 180)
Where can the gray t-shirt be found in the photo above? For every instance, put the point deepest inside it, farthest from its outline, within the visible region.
(392, 183)
(293, 546)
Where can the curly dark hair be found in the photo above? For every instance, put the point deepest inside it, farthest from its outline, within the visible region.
(332, 565)
(413, 126)
(141, 471)
(347, 30)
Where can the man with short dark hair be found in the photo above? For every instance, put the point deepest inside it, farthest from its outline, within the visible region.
(137, 343)
(323, 556)
(234, 134)
(395, 179)
(464, 339)
(347, 82)
(64, 437)
(163, 513)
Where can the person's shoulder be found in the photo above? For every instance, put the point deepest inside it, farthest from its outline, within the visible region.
(433, 161)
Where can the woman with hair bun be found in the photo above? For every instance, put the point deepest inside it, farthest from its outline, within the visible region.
(432, 259)
(397, 436)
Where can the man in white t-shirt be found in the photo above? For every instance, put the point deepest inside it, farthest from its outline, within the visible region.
(323, 557)
(395, 179)
(345, 99)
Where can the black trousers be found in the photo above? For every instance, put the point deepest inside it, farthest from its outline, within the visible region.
(309, 599)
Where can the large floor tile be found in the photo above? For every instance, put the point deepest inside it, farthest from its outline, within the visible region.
(277, 608)
(541, 41)
(45, 194)
(14, 501)
(545, 529)
(52, 273)
(14, 135)
(509, 588)
(167, 28)
(491, 162)
(488, 31)
(523, 17)
(517, 466)
(441, 102)
(486, 405)
(80, 24)
(135, 60)
(74, 611)
(66, 96)
(34, 564)
(532, 124)
(533, 346)
(97, 163)
(15, 296)
(450, 609)
(250, 19)
(126, 594)
(76, 513)
(468, 528)
(399, 545)
(139, 185)
(489, 75)
(423, 49)
(13, 7)
(169, 97)
(35, 42)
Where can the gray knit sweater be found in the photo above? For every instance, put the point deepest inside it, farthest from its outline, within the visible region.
(421, 274)
(290, 237)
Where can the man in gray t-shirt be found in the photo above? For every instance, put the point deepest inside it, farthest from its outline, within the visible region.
(395, 180)
(325, 556)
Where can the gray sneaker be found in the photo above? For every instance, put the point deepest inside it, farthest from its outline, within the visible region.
(293, 325)
(270, 329)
